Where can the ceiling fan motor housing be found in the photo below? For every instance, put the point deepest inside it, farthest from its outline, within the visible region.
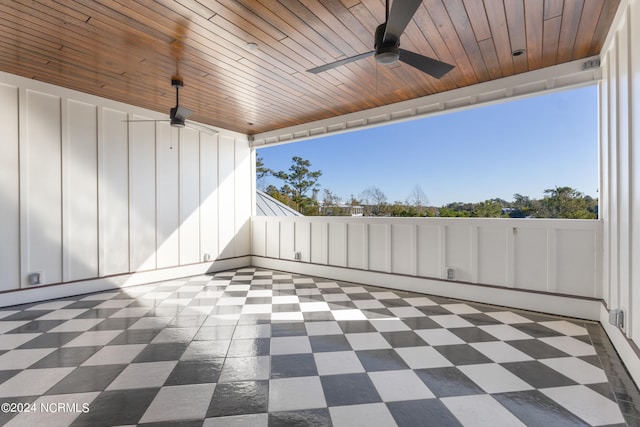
(386, 53)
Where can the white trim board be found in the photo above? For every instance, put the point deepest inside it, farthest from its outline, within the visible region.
(581, 308)
(43, 293)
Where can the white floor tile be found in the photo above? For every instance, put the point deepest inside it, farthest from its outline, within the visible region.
(180, 402)
(76, 325)
(306, 307)
(172, 335)
(400, 385)
(323, 328)
(348, 315)
(368, 415)
(505, 332)
(51, 305)
(406, 312)
(438, 337)
(31, 382)
(115, 354)
(252, 331)
(290, 394)
(368, 304)
(151, 323)
(389, 324)
(336, 297)
(451, 321)
(587, 404)
(11, 341)
(508, 317)
(460, 308)
(249, 420)
(8, 325)
(493, 378)
(500, 352)
(285, 299)
(422, 357)
(576, 369)
(290, 345)
(7, 313)
(63, 314)
(287, 317)
(256, 308)
(143, 375)
(338, 362)
(22, 359)
(131, 312)
(260, 292)
(367, 341)
(382, 295)
(480, 411)
(420, 301)
(93, 338)
(245, 369)
(570, 345)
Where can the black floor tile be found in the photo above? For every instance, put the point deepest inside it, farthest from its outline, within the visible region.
(538, 374)
(117, 407)
(195, 372)
(472, 334)
(417, 323)
(50, 340)
(160, 352)
(537, 349)
(323, 343)
(356, 326)
(308, 418)
(349, 389)
(293, 365)
(288, 329)
(249, 347)
(428, 412)
(403, 339)
(381, 360)
(66, 357)
(462, 354)
(135, 336)
(36, 326)
(535, 409)
(87, 378)
(237, 398)
(446, 382)
(536, 330)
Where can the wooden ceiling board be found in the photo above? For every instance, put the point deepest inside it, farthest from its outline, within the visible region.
(127, 50)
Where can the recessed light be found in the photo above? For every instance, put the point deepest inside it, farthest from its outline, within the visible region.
(517, 52)
(252, 46)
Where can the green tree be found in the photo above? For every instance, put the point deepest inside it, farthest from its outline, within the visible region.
(487, 209)
(565, 202)
(261, 172)
(297, 183)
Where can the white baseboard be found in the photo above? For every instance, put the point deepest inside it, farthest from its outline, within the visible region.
(42, 293)
(624, 347)
(541, 302)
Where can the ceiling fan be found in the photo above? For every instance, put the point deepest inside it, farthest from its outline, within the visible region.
(387, 43)
(178, 114)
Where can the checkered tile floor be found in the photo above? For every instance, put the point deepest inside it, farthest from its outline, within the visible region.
(260, 348)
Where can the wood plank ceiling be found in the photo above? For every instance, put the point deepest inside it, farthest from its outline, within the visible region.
(128, 50)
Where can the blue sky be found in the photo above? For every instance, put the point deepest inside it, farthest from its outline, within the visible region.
(523, 146)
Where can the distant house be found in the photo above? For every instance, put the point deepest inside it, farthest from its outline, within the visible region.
(268, 206)
(341, 210)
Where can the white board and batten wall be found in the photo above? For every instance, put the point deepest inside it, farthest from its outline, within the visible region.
(85, 195)
(555, 261)
(620, 181)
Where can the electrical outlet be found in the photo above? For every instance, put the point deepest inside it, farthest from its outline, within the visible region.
(206, 258)
(297, 256)
(616, 318)
(36, 278)
(451, 273)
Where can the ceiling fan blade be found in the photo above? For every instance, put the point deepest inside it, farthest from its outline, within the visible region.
(431, 66)
(144, 120)
(202, 128)
(182, 112)
(399, 17)
(326, 67)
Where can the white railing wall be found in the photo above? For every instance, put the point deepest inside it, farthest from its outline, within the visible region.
(544, 255)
